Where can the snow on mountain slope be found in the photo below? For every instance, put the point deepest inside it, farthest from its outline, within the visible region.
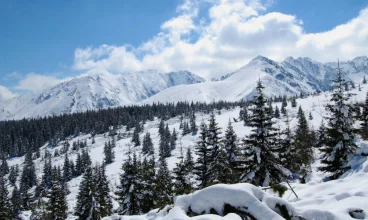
(94, 92)
(292, 76)
(317, 199)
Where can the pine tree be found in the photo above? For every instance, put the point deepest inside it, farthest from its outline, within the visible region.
(79, 165)
(127, 194)
(303, 151)
(364, 119)
(147, 145)
(5, 206)
(243, 115)
(203, 153)
(109, 153)
(321, 140)
(164, 147)
(87, 206)
(67, 174)
(163, 185)
(173, 139)
(28, 180)
(57, 204)
(339, 132)
(261, 164)
(283, 110)
(103, 190)
(161, 128)
(4, 168)
(189, 163)
(193, 125)
(232, 152)
(13, 175)
(293, 102)
(148, 176)
(16, 202)
(217, 158)
(135, 138)
(182, 184)
(287, 146)
(186, 129)
(364, 80)
(277, 112)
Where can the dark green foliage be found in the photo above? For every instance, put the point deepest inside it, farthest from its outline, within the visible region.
(5, 206)
(339, 131)
(148, 175)
(163, 185)
(260, 163)
(13, 174)
(203, 153)
(147, 147)
(182, 183)
(128, 192)
(57, 204)
(16, 202)
(87, 206)
(109, 152)
(364, 119)
(102, 190)
(135, 139)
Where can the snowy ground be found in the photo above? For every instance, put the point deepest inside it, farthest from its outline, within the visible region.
(317, 199)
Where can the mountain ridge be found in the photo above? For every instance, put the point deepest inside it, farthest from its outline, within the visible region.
(90, 92)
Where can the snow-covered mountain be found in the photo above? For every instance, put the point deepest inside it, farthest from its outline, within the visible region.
(289, 77)
(94, 92)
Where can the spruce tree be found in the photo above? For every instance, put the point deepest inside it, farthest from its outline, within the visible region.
(203, 154)
(364, 119)
(182, 184)
(163, 185)
(277, 112)
(148, 176)
(261, 165)
(193, 125)
(339, 131)
(4, 168)
(109, 153)
(189, 163)
(303, 151)
(364, 80)
(135, 139)
(147, 147)
(28, 180)
(16, 202)
(232, 153)
(5, 206)
(102, 192)
(287, 146)
(321, 139)
(173, 139)
(127, 193)
(87, 206)
(293, 102)
(57, 204)
(67, 174)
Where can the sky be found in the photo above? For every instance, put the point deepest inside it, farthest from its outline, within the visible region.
(43, 43)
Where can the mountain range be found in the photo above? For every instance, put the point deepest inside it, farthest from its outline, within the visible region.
(89, 92)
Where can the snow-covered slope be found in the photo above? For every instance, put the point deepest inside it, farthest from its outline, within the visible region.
(317, 199)
(292, 76)
(94, 92)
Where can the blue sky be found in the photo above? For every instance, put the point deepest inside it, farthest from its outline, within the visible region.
(40, 39)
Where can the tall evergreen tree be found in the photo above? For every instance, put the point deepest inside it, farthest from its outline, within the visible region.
(148, 176)
(339, 132)
(28, 180)
(109, 153)
(163, 185)
(135, 138)
(189, 163)
(364, 119)
(182, 183)
(16, 202)
(261, 164)
(103, 190)
(5, 205)
(303, 151)
(57, 204)
(173, 139)
(193, 125)
(364, 80)
(127, 193)
(87, 206)
(232, 152)
(67, 174)
(203, 153)
(147, 147)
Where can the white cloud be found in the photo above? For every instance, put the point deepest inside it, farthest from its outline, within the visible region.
(13, 75)
(5, 94)
(36, 82)
(234, 32)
